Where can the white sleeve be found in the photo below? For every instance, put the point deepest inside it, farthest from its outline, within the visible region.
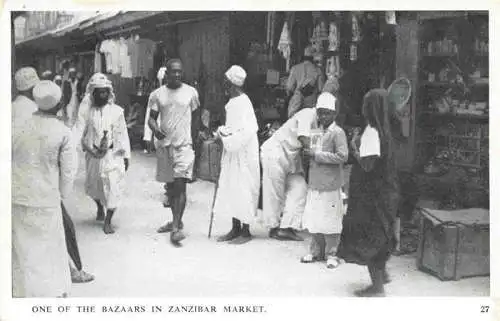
(370, 143)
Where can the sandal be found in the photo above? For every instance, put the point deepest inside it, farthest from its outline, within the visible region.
(81, 277)
(333, 262)
(309, 258)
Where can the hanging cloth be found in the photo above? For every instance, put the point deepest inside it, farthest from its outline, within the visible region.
(390, 17)
(356, 32)
(284, 45)
(333, 37)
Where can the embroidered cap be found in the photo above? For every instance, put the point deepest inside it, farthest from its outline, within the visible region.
(26, 78)
(236, 75)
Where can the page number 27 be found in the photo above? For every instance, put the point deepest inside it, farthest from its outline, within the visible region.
(485, 309)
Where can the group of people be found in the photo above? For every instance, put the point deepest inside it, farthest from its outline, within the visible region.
(302, 173)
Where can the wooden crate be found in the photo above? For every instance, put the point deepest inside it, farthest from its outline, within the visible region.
(454, 244)
(209, 165)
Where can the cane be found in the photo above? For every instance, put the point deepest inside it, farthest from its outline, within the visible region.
(213, 201)
(213, 205)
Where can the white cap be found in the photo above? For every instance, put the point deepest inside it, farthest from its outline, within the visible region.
(57, 77)
(47, 94)
(26, 78)
(236, 75)
(72, 69)
(326, 101)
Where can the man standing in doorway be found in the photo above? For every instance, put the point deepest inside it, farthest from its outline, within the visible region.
(177, 104)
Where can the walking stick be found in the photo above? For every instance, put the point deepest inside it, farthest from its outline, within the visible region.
(213, 205)
(213, 200)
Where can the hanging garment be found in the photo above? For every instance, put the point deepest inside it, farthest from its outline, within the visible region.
(356, 31)
(142, 56)
(285, 43)
(97, 59)
(124, 59)
(333, 38)
(132, 52)
(239, 180)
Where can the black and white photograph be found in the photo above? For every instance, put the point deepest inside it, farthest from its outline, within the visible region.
(248, 154)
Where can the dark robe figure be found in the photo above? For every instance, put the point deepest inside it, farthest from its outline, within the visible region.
(368, 236)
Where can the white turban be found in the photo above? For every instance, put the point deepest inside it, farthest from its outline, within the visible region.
(47, 73)
(236, 75)
(26, 78)
(326, 101)
(99, 80)
(47, 94)
(57, 77)
(161, 74)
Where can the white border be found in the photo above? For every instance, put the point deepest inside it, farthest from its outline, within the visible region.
(277, 308)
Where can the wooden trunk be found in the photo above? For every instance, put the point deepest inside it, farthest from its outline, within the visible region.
(454, 244)
(209, 165)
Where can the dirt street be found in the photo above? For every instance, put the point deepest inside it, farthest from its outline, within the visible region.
(138, 262)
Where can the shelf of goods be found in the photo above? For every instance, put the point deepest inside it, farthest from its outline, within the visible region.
(452, 127)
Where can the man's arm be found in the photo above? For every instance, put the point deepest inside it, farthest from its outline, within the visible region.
(153, 121)
(195, 116)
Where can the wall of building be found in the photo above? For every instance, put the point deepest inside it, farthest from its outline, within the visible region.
(204, 48)
(407, 66)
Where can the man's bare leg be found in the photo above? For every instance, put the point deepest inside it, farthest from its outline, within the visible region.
(108, 229)
(178, 207)
(100, 210)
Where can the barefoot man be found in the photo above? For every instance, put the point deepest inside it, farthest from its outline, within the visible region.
(106, 144)
(176, 103)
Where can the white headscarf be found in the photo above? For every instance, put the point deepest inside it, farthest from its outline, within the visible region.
(99, 80)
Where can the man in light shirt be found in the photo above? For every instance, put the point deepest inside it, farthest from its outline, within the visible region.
(177, 105)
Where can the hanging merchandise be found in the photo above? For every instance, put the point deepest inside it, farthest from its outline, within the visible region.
(323, 32)
(333, 66)
(356, 31)
(142, 56)
(124, 59)
(333, 37)
(97, 59)
(390, 17)
(284, 45)
(330, 66)
(354, 52)
(315, 39)
(110, 50)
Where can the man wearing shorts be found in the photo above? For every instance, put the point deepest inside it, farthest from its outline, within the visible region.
(176, 103)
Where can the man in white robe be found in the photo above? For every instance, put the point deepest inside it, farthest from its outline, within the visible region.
(107, 146)
(239, 180)
(44, 163)
(284, 188)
